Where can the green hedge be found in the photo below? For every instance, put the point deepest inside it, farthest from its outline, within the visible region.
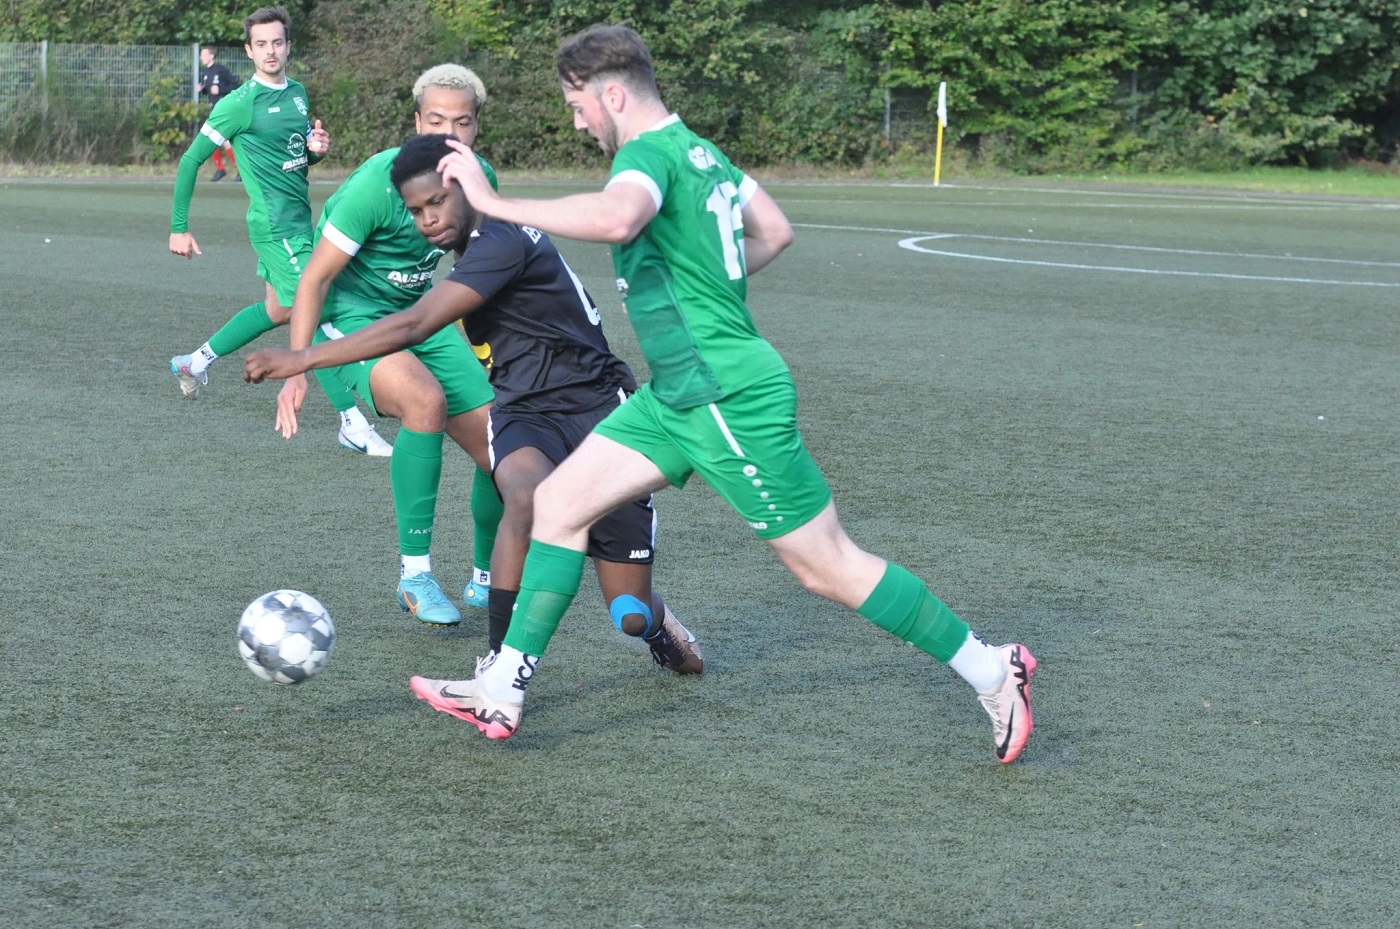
(1035, 85)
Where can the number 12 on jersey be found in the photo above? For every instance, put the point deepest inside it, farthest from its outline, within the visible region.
(723, 202)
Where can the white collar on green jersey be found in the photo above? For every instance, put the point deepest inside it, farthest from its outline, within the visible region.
(281, 86)
(673, 118)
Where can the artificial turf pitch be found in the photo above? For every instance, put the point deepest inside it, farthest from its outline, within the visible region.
(1151, 435)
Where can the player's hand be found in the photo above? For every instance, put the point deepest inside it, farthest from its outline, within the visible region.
(184, 245)
(289, 400)
(318, 140)
(276, 363)
(461, 166)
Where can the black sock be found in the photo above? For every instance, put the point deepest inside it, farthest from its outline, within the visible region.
(499, 608)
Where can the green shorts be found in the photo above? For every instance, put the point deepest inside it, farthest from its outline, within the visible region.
(280, 263)
(745, 446)
(445, 354)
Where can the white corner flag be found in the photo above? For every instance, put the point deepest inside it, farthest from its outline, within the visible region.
(942, 121)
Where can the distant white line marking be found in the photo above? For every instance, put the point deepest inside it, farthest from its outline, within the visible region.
(912, 245)
(923, 235)
(1287, 206)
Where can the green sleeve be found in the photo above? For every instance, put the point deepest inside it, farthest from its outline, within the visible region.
(490, 173)
(645, 156)
(361, 206)
(197, 154)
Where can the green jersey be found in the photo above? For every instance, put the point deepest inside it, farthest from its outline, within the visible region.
(267, 127)
(391, 264)
(683, 276)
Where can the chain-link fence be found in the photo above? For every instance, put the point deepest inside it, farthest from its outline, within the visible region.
(85, 101)
(89, 79)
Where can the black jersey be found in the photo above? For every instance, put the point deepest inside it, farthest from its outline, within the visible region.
(218, 81)
(538, 333)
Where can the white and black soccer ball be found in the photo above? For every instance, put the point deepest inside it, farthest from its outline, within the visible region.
(286, 637)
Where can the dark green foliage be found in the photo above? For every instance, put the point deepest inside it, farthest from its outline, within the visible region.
(1282, 82)
(1034, 85)
(360, 76)
(168, 119)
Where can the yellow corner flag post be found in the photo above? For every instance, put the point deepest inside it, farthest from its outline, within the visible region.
(942, 121)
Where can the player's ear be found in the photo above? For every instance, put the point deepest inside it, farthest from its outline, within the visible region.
(612, 96)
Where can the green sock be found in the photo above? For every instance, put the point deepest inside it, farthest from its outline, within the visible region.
(247, 324)
(342, 397)
(414, 472)
(550, 583)
(487, 510)
(902, 605)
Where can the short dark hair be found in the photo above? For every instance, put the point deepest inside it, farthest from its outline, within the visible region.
(263, 16)
(419, 155)
(602, 51)
(211, 50)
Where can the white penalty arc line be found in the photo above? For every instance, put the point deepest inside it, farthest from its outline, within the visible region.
(912, 245)
(920, 236)
(917, 236)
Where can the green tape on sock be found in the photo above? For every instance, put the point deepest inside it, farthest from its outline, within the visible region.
(901, 605)
(549, 585)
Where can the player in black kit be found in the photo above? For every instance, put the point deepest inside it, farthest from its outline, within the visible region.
(533, 325)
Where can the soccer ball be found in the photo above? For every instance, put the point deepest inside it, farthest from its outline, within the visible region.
(286, 636)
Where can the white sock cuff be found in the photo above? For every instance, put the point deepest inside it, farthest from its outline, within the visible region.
(506, 679)
(353, 420)
(979, 664)
(202, 358)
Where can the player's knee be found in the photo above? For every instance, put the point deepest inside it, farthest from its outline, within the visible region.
(423, 403)
(433, 405)
(519, 503)
(814, 581)
(552, 505)
(632, 616)
(816, 576)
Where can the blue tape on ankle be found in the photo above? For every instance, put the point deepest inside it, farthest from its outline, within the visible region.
(626, 605)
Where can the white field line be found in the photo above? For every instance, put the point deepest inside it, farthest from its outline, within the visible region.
(1189, 200)
(914, 237)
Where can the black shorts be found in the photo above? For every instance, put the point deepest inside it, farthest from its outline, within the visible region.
(627, 535)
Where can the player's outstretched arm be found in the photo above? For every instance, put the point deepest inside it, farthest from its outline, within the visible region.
(325, 264)
(766, 231)
(437, 309)
(181, 242)
(615, 215)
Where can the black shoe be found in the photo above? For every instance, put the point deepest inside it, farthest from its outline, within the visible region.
(218, 175)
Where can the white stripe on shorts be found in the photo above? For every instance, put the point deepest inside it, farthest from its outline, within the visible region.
(724, 427)
(491, 441)
(333, 333)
